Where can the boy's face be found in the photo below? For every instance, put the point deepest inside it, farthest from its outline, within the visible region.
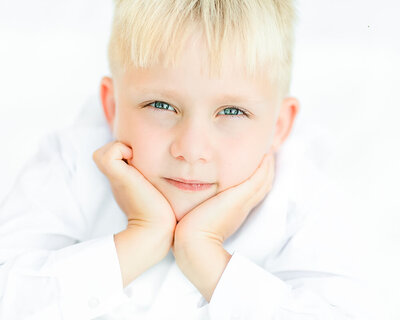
(177, 122)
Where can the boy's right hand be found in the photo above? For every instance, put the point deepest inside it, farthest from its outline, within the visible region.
(151, 220)
(145, 206)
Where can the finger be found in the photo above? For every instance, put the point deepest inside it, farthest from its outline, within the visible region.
(255, 181)
(118, 151)
(265, 187)
(252, 190)
(108, 158)
(98, 153)
(262, 172)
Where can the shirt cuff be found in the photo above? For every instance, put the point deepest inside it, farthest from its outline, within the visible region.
(89, 277)
(246, 291)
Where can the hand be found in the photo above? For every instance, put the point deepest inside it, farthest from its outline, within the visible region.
(199, 235)
(137, 197)
(220, 216)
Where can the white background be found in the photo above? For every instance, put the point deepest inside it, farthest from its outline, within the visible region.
(346, 76)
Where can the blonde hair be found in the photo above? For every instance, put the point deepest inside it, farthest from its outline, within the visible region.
(147, 32)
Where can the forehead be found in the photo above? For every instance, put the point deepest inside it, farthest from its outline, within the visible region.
(190, 74)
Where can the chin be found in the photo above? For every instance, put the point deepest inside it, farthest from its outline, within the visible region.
(182, 208)
(179, 216)
(181, 212)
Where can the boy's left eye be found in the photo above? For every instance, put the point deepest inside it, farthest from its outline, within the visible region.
(231, 111)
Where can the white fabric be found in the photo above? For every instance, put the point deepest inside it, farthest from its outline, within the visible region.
(58, 259)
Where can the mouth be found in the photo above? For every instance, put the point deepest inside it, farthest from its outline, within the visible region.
(189, 185)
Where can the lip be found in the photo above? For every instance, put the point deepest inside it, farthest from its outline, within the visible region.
(189, 181)
(192, 186)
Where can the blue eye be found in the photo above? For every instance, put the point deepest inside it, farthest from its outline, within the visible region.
(231, 111)
(159, 105)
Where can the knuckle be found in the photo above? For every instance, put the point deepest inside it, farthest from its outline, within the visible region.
(116, 145)
(108, 154)
(96, 157)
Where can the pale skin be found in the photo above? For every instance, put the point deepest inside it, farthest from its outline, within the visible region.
(190, 136)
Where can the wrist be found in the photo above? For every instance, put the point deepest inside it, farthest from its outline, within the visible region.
(146, 246)
(203, 263)
(154, 238)
(163, 227)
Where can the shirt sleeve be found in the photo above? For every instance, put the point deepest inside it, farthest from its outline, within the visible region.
(48, 270)
(292, 284)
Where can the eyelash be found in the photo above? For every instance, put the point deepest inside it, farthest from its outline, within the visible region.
(244, 113)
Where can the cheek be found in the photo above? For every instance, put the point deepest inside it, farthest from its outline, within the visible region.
(147, 145)
(240, 156)
(238, 163)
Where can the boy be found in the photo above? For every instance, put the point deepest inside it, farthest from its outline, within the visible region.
(183, 180)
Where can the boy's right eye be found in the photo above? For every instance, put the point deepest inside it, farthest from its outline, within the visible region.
(159, 105)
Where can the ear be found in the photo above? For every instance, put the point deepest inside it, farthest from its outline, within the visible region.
(108, 100)
(288, 111)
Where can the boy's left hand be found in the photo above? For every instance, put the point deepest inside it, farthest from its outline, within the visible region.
(199, 235)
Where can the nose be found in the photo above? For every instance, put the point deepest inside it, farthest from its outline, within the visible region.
(192, 142)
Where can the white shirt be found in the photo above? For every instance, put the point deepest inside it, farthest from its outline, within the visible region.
(58, 258)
